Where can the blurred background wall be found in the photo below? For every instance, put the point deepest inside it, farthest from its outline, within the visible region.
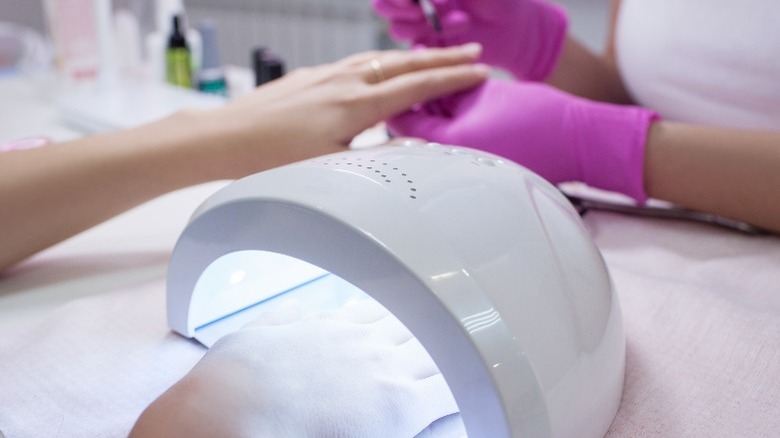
(303, 32)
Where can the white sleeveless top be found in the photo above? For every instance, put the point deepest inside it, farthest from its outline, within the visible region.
(703, 61)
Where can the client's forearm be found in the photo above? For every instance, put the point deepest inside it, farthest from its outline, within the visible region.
(54, 192)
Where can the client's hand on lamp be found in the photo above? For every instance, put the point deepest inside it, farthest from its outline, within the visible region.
(557, 135)
(524, 37)
(52, 193)
(354, 372)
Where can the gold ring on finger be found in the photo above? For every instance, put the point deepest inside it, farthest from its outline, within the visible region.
(376, 67)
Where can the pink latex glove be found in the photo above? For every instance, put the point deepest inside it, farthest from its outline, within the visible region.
(523, 37)
(559, 136)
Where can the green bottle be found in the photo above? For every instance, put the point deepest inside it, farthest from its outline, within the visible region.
(178, 61)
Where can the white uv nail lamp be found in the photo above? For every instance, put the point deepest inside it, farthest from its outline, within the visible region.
(484, 262)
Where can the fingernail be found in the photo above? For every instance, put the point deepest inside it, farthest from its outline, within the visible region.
(473, 48)
(481, 68)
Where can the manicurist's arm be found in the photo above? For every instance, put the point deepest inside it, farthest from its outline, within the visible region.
(729, 172)
(584, 73)
(581, 72)
(51, 193)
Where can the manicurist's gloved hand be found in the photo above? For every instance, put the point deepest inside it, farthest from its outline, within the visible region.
(353, 372)
(523, 37)
(557, 135)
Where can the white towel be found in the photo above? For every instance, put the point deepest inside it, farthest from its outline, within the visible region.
(92, 366)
